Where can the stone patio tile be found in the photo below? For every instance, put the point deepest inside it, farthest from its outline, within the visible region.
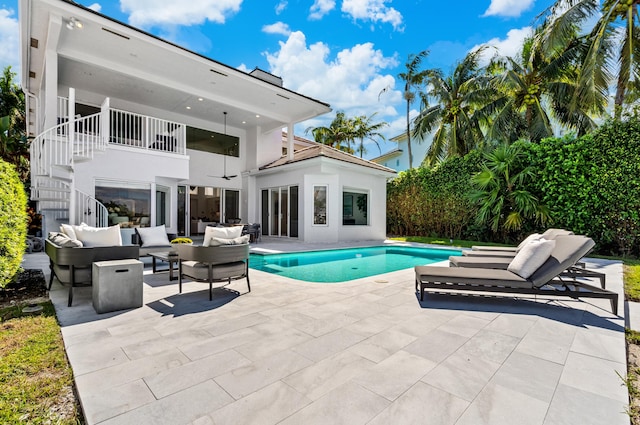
(122, 373)
(349, 404)
(422, 404)
(270, 344)
(172, 380)
(436, 345)
(247, 379)
(462, 375)
(176, 409)
(86, 358)
(549, 340)
(512, 325)
(382, 345)
(529, 375)
(225, 326)
(320, 378)
(218, 344)
(368, 326)
(270, 405)
(157, 345)
(327, 345)
(599, 376)
(573, 406)
(101, 405)
(393, 376)
(490, 346)
(605, 345)
(464, 325)
(319, 327)
(496, 405)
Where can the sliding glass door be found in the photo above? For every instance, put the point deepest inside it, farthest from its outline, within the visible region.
(280, 211)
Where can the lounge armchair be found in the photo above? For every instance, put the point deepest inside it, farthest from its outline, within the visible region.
(501, 261)
(548, 234)
(213, 264)
(546, 280)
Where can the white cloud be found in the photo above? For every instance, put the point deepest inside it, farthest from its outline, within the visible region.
(277, 28)
(510, 8)
(319, 8)
(9, 31)
(97, 7)
(351, 81)
(280, 7)
(510, 46)
(145, 13)
(373, 10)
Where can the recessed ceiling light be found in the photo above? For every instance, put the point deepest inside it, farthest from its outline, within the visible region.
(244, 122)
(188, 107)
(200, 99)
(257, 116)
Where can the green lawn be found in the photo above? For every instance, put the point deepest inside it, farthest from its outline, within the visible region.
(632, 279)
(35, 377)
(440, 241)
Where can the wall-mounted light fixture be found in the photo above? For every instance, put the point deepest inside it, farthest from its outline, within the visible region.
(74, 23)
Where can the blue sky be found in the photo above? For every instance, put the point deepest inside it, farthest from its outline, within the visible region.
(340, 52)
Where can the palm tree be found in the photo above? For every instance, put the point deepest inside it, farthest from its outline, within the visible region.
(613, 43)
(340, 133)
(365, 129)
(499, 191)
(413, 77)
(457, 98)
(531, 87)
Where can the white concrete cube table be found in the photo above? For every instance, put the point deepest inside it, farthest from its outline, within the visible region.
(117, 285)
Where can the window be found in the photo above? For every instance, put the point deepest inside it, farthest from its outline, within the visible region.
(162, 205)
(210, 141)
(355, 206)
(320, 205)
(129, 205)
(397, 162)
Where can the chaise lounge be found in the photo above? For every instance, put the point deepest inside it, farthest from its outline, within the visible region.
(546, 280)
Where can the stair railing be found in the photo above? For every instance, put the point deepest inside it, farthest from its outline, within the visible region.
(91, 211)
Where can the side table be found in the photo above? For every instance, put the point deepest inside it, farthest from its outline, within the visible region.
(117, 285)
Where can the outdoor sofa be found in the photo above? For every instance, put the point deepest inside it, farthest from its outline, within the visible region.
(545, 280)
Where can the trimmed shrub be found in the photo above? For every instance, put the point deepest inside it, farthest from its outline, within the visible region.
(13, 222)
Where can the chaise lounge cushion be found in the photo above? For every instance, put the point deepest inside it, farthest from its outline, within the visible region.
(531, 237)
(153, 236)
(531, 256)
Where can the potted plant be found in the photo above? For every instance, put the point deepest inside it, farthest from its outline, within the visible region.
(186, 241)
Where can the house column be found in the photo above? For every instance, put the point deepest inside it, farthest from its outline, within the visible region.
(51, 75)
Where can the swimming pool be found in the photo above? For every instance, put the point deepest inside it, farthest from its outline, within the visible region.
(339, 265)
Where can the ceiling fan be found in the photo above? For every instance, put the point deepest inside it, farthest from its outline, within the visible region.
(224, 175)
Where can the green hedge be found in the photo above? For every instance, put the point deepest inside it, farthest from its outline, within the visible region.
(13, 222)
(591, 186)
(433, 202)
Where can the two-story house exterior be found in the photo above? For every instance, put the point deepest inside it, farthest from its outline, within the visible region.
(398, 158)
(133, 130)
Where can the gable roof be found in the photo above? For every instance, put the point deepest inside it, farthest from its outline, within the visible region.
(387, 155)
(324, 151)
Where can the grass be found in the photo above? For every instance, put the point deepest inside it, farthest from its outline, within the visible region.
(440, 241)
(36, 380)
(632, 279)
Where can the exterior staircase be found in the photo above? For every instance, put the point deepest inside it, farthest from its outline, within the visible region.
(53, 156)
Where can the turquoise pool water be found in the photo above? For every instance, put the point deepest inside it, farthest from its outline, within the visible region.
(339, 265)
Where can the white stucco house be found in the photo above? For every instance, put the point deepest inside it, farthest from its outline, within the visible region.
(398, 158)
(133, 130)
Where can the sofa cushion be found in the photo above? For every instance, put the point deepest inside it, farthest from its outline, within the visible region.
(533, 255)
(99, 236)
(68, 230)
(153, 236)
(221, 233)
(64, 241)
(222, 241)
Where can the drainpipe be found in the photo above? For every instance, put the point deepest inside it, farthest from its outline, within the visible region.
(290, 141)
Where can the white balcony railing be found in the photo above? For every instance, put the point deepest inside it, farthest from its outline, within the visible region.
(145, 132)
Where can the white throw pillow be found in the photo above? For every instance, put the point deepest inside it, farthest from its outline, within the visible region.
(67, 229)
(221, 232)
(63, 240)
(533, 255)
(223, 241)
(99, 236)
(531, 237)
(153, 236)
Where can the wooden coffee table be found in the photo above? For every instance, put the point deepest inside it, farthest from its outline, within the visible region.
(168, 257)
